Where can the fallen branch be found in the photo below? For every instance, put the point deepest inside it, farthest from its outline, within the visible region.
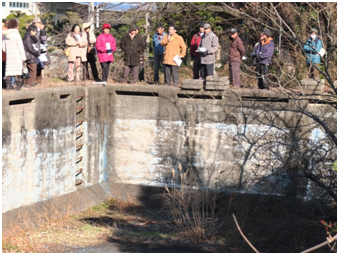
(329, 240)
(249, 243)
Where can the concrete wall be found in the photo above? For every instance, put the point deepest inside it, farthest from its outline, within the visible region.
(137, 135)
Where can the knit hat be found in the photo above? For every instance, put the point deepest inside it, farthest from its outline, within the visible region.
(12, 23)
(202, 24)
(267, 32)
(206, 25)
(313, 30)
(234, 30)
(106, 25)
(86, 25)
(37, 20)
(132, 27)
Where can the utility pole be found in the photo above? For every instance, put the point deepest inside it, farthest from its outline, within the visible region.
(147, 33)
(91, 14)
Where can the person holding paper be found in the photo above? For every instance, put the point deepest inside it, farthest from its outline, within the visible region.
(195, 42)
(105, 46)
(175, 50)
(32, 53)
(236, 52)
(132, 44)
(208, 46)
(77, 43)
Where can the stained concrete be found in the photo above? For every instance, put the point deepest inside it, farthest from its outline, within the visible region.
(135, 135)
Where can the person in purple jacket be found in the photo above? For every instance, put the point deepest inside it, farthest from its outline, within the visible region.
(105, 46)
(264, 52)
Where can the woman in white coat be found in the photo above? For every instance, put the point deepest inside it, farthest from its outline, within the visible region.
(15, 53)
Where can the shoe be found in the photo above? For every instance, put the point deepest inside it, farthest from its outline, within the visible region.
(71, 80)
(98, 80)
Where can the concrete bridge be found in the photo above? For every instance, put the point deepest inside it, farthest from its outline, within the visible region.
(69, 148)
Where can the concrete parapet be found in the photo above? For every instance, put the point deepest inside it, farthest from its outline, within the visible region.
(192, 84)
(133, 135)
(312, 86)
(216, 83)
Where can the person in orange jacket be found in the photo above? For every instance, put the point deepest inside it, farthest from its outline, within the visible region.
(175, 46)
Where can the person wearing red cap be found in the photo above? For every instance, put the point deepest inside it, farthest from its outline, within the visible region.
(105, 46)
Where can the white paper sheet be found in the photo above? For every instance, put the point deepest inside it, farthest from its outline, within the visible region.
(177, 60)
(108, 47)
(43, 57)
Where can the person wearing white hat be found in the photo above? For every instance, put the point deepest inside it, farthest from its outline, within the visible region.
(91, 52)
(312, 48)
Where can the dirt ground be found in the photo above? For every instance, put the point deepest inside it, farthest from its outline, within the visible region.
(117, 226)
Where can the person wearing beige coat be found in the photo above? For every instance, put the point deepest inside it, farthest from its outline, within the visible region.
(13, 46)
(175, 46)
(77, 43)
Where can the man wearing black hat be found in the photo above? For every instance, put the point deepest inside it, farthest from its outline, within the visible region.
(195, 42)
(264, 53)
(236, 52)
(158, 51)
(132, 44)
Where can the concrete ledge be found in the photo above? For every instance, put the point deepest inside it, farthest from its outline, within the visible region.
(192, 84)
(35, 215)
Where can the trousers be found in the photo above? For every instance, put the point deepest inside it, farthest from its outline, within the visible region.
(169, 70)
(105, 70)
(32, 73)
(134, 70)
(158, 58)
(234, 68)
(262, 76)
(207, 70)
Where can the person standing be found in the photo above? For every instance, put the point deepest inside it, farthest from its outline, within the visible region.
(142, 61)
(91, 59)
(77, 42)
(131, 44)
(158, 52)
(236, 52)
(264, 53)
(13, 46)
(32, 53)
(3, 56)
(105, 46)
(195, 42)
(210, 42)
(175, 47)
(312, 48)
(40, 66)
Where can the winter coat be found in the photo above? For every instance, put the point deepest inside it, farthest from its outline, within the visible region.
(101, 47)
(31, 48)
(264, 51)
(313, 53)
(176, 46)
(158, 49)
(211, 42)
(237, 50)
(132, 49)
(76, 50)
(15, 52)
(195, 42)
(3, 53)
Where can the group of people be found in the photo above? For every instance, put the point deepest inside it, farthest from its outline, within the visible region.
(169, 49)
(30, 51)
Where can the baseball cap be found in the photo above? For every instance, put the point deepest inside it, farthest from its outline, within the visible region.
(234, 30)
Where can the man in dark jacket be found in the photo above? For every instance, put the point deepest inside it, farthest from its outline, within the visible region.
(195, 42)
(158, 52)
(132, 44)
(264, 53)
(236, 52)
(32, 51)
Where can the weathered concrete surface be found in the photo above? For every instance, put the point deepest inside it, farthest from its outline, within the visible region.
(136, 135)
(193, 84)
(311, 86)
